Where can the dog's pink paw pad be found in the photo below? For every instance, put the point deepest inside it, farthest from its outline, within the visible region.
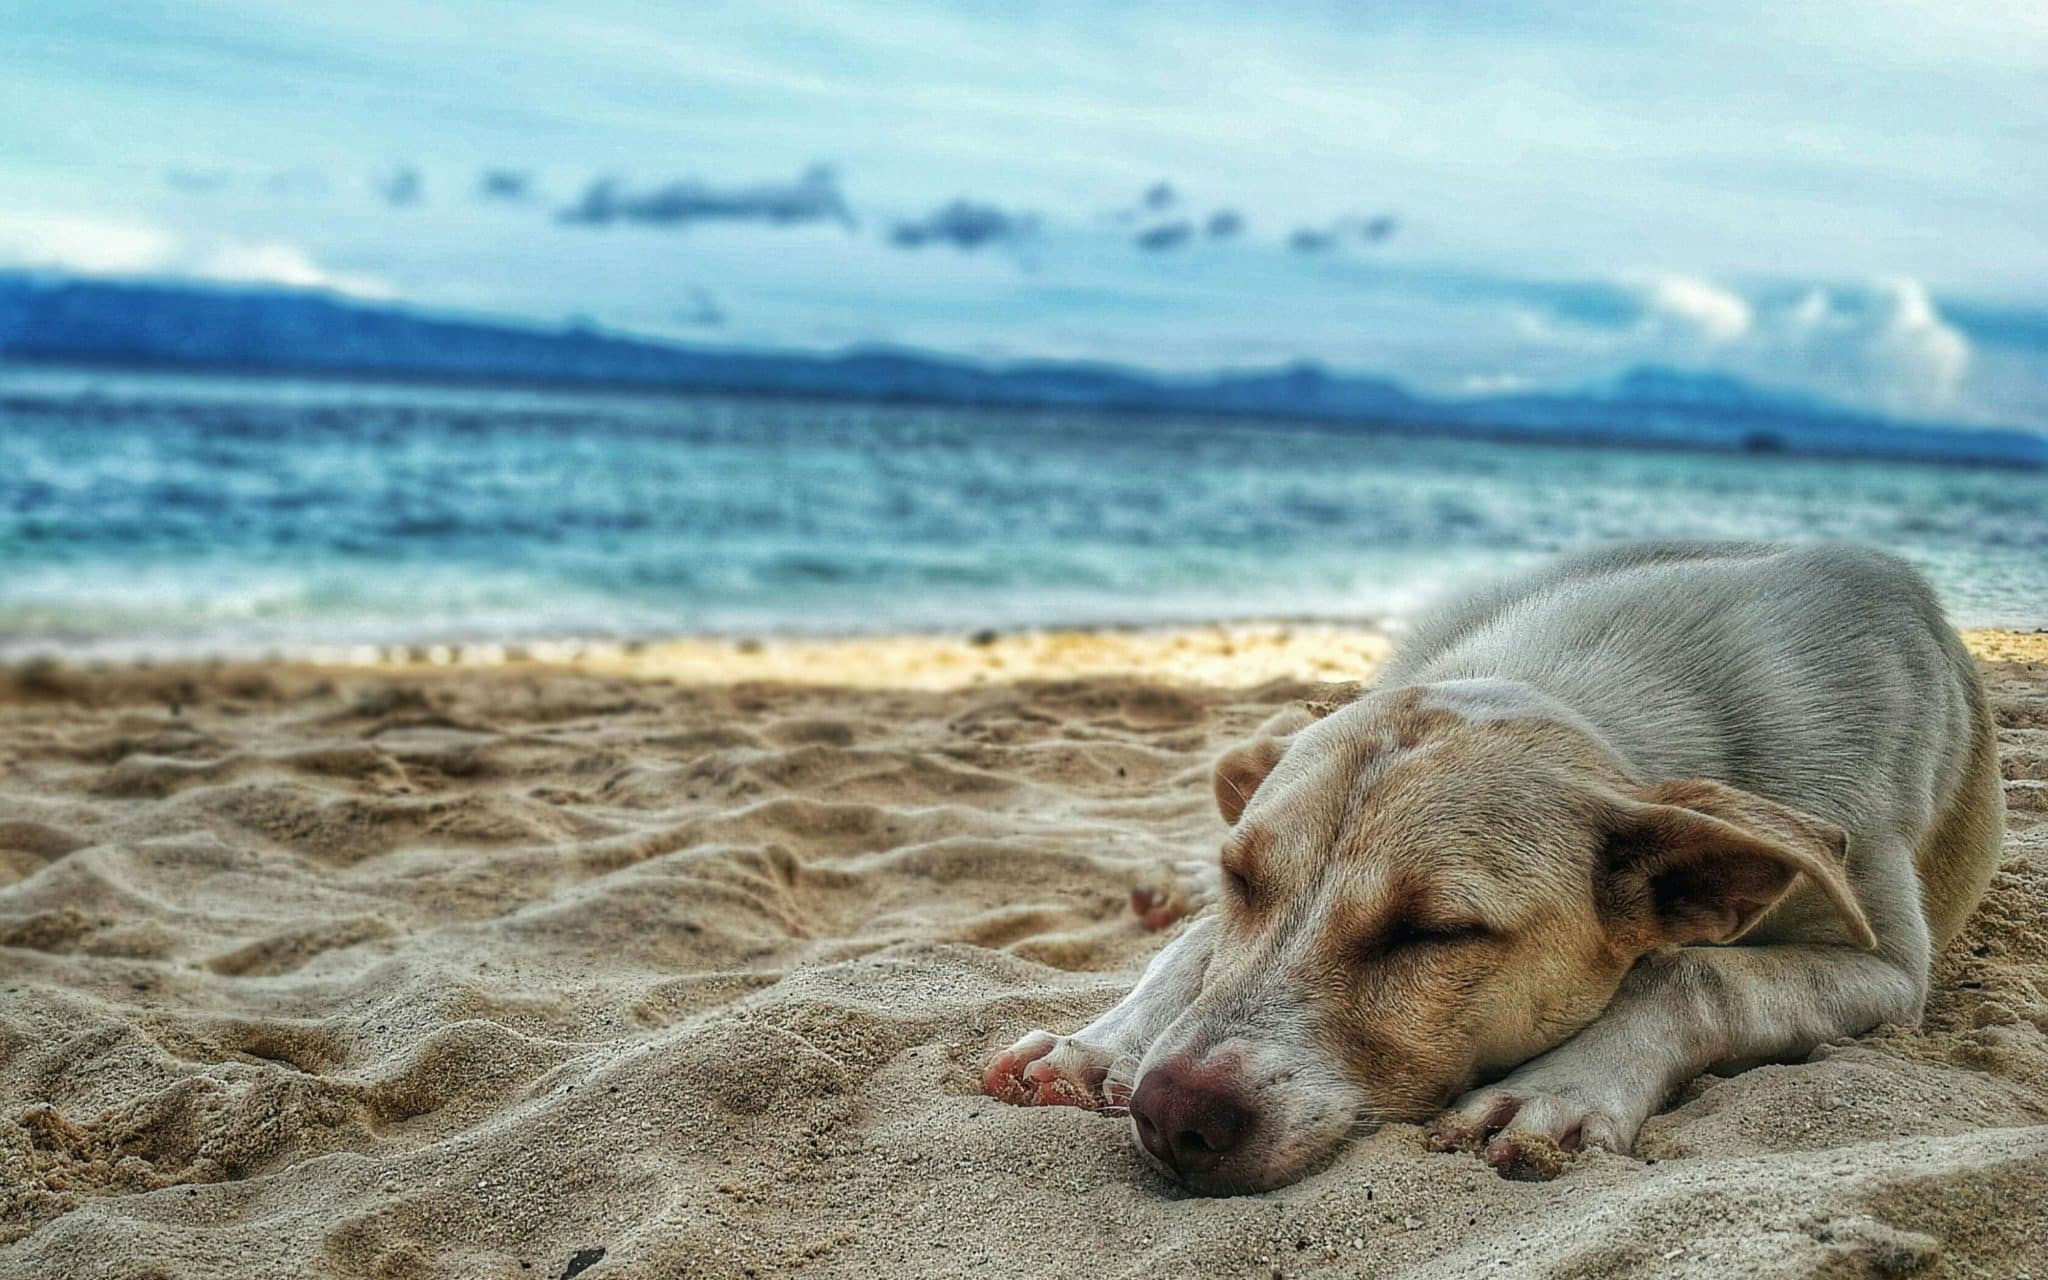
(1043, 1070)
(1005, 1077)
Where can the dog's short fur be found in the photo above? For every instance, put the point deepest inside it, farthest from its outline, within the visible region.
(1654, 811)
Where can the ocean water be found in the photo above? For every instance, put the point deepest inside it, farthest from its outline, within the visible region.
(180, 516)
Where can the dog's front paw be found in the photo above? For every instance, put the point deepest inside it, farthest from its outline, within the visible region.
(1529, 1133)
(1045, 1070)
(1176, 890)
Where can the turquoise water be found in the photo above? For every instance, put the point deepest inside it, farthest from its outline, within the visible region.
(167, 516)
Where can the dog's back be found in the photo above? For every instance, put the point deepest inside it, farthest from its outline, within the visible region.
(1823, 677)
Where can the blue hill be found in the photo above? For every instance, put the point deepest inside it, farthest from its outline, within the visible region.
(183, 326)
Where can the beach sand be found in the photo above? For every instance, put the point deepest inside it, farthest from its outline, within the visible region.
(683, 961)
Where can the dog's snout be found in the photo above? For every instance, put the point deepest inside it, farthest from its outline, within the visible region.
(1190, 1119)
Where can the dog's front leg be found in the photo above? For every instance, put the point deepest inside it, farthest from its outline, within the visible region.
(1677, 1014)
(1081, 1070)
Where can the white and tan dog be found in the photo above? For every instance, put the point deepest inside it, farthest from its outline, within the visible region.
(1655, 811)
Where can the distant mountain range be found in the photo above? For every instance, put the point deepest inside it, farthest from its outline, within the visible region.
(159, 325)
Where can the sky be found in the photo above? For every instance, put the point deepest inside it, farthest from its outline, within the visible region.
(1840, 197)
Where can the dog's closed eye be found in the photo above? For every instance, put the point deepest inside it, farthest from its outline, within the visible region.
(1240, 860)
(1238, 886)
(1407, 936)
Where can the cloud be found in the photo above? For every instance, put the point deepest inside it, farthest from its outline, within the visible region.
(813, 197)
(966, 225)
(1373, 229)
(1698, 307)
(275, 263)
(504, 184)
(1155, 201)
(1162, 224)
(1223, 224)
(94, 247)
(1883, 344)
(1888, 336)
(1167, 235)
(401, 188)
(1377, 228)
(88, 246)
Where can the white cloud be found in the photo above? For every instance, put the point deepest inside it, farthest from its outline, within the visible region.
(274, 263)
(1699, 307)
(1884, 344)
(85, 245)
(95, 247)
(1887, 340)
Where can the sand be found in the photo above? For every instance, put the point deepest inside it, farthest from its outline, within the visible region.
(635, 965)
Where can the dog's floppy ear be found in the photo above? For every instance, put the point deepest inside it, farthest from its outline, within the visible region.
(1243, 767)
(1240, 771)
(1698, 861)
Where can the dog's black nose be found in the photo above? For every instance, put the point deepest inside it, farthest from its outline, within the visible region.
(1189, 1119)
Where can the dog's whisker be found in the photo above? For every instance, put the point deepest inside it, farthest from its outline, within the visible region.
(1368, 1119)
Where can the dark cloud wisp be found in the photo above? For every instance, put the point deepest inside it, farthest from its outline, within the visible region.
(402, 187)
(964, 224)
(1373, 229)
(1167, 235)
(504, 184)
(813, 197)
(1221, 224)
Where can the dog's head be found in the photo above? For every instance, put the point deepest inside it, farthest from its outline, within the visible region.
(1428, 886)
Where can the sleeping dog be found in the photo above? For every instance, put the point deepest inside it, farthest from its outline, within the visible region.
(1655, 811)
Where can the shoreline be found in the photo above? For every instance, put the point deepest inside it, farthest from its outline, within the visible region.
(1239, 654)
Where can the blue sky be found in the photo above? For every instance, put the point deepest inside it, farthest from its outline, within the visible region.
(1840, 197)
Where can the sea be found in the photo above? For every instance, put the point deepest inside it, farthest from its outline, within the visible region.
(156, 516)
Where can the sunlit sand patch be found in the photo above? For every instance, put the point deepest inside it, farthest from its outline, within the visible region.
(1993, 645)
(1235, 653)
(1238, 654)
